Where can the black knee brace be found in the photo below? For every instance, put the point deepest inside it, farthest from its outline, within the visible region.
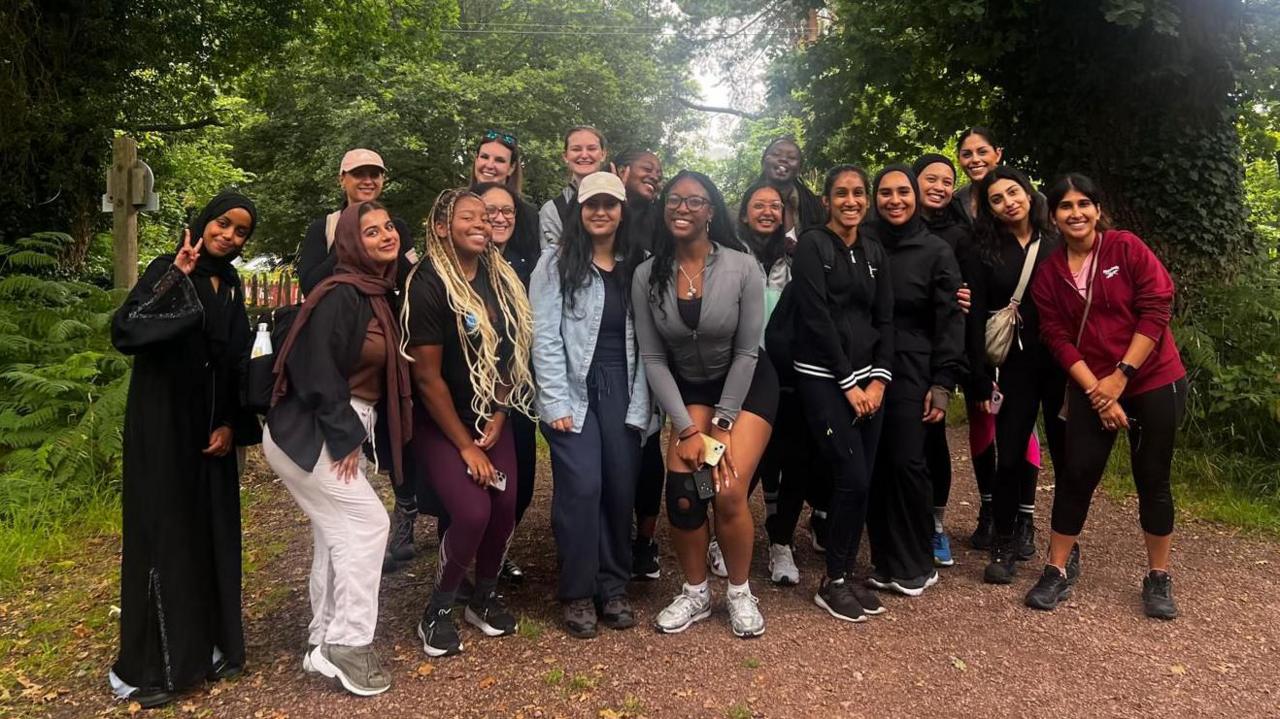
(681, 490)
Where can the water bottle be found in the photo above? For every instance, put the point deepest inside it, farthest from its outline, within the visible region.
(262, 343)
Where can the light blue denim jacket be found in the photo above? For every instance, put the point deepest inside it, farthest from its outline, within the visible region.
(564, 341)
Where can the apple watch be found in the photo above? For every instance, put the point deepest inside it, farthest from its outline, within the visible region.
(1127, 369)
(723, 424)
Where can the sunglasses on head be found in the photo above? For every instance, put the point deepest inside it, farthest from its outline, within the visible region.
(505, 138)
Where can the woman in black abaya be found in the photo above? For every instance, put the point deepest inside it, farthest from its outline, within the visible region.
(186, 327)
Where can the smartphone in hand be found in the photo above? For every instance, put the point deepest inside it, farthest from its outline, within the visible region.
(997, 401)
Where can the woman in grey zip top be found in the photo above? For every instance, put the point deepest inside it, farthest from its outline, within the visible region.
(699, 309)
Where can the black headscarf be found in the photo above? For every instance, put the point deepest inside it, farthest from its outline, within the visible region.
(928, 159)
(888, 233)
(223, 308)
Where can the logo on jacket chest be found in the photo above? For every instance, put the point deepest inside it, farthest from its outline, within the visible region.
(1111, 271)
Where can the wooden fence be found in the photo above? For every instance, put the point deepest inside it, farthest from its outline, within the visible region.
(269, 290)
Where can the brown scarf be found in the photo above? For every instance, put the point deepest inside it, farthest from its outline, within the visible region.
(356, 268)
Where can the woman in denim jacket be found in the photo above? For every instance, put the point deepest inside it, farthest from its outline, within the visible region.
(593, 400)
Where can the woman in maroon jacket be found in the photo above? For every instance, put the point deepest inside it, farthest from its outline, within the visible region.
(1125, 374)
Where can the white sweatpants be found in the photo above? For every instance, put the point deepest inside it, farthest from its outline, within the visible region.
(349, 527)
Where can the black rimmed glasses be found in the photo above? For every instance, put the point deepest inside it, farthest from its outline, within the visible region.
(693, 202)
(506, 211)
(505, 138)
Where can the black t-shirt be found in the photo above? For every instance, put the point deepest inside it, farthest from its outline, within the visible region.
(433, 322)
(611, 345)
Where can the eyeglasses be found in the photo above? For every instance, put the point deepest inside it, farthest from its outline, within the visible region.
(505, 138)
(775, 206)
(506, 211)
(693, 202)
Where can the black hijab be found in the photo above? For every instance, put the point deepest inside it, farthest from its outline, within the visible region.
(223, 308)
(888, 233)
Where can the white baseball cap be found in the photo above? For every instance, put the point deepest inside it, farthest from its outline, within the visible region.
(601, 183)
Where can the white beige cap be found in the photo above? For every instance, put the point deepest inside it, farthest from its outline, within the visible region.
(601, 183)
(361, 157)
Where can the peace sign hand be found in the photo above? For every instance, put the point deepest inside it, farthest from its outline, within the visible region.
(187, 255)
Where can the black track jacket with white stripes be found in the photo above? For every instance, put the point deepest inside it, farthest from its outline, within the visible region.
(844, 309)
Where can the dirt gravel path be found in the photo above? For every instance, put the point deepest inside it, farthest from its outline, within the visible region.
(963, 649)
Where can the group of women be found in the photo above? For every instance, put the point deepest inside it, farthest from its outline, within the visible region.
(810, 344)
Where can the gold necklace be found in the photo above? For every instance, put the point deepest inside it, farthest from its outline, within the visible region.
(692, 292)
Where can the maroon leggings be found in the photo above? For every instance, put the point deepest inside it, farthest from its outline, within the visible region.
(481, 519)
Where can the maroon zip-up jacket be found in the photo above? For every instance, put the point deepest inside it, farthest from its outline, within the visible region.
(1132, 293)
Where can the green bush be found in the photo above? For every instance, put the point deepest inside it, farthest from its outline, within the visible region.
(62, 386)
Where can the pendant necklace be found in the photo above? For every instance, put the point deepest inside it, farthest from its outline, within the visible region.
(691, 293)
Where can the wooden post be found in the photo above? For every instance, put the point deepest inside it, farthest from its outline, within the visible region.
(124, 215)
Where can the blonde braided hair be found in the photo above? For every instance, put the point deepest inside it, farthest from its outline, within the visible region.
(513, 302)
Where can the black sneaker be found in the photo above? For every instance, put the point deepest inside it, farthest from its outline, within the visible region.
(644, 560)
(438, 633)
(511, 571)
(1004, 562)
(1025, 536)
(836, 596)
(870, 602)
(1052, 589)
(985, 533)
(1073, 564)
(618, 614)
(1157, 596)
(400, 543)
(490, 615)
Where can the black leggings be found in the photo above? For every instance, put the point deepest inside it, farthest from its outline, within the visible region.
(525, 435)
(652, 475)
(848, 446)
(1031, 381)
(937, 455)
(792, 470)
(1153, 426)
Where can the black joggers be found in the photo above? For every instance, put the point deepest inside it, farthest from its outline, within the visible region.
(848, 445)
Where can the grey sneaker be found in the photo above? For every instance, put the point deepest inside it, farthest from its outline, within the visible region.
(617, 613)
(307, 666)
(357, 668)
(688, 607)
(744, 614)
(400, 544)
(715, 560)
(782, 566)
(580, 618)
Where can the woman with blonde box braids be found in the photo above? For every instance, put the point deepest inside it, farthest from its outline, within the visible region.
(467, 330)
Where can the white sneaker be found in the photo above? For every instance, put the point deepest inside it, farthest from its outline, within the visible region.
(715, 560)
(688, 607)
(744, 614)
(782, 565)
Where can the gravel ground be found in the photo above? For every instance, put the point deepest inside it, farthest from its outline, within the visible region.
(962, 649)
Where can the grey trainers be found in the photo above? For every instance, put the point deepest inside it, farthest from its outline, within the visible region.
(744, 614)
(580, 618)
(617, 613)
(357, 668)
(307, 666)
(688, 607)
(400, 543)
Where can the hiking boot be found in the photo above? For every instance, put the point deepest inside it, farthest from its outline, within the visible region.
(1025, 536)
(715, 560)
(1073, 564)
(1004, 562)
(744, 614)
(1157, 596)
(942, 550)
(617, 613)
(511, 571)
(357, 668)
(439, 633)
(1052, 589)
(818, 532)
(914, 587)
(400, 543)
(687, 607)
(836, 596)
(867, 599)
(487, 612)
(644, 560)
(985, 533)
(782, 566)
(580, 618)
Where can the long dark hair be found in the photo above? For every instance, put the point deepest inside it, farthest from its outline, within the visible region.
(1082, 184)
(720, 232)
(988, 229)
(577, 253)
(524, 234)
(767, 250)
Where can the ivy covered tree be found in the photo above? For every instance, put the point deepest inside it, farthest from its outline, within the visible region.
(1140, 94)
